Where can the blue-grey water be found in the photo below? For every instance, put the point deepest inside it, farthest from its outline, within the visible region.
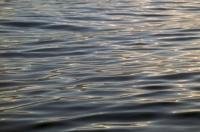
(100, 65)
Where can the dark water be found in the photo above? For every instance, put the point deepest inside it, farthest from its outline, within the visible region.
(100, 65)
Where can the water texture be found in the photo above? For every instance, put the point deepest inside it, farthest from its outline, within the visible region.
(100, 65)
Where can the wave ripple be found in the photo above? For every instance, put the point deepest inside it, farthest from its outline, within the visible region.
(99, 66)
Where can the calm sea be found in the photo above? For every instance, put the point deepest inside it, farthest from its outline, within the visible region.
(100, 65)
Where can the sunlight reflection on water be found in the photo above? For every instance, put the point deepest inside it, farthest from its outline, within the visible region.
(108, 65)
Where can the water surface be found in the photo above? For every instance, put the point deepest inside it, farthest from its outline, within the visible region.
(100, 65)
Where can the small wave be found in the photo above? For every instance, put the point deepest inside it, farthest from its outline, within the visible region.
(23, 24)
(68, 28)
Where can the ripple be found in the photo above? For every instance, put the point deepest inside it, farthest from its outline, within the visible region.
(186, 115)
(99, 66)
(39, 55)
(180, 39)
(24, 24)
(178, 76)
(107, 79)
(120, 117)
(9, 84)
(68, 28)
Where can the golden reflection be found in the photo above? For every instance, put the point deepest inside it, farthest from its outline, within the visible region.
(110, 125)
(194, 94)
(176, 16)
(158, 63)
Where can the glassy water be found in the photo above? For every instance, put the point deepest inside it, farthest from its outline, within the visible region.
(100, 65)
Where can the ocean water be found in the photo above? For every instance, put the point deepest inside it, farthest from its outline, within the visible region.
(100, 65)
